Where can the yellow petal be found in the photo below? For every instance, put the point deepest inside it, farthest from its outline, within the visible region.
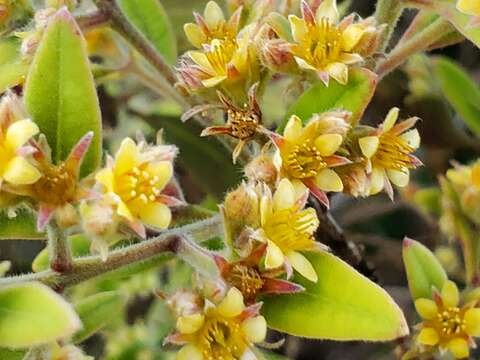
(266, 207)
(201, 59)
(274, 257)
(213, 81)
(351, 36)
(189, 352)
(450, 295)
(190, 324)
(459, 348)
(328, 9)
(20, 132)
(328, 144)
(328, 180)
(303, 64)
(476, 174)
(127, 157)
(124, 211)
(399, 178)
(299, 188)
(338, 71)
(105, 177)
(471, 7)
(302, 265)
(472, 321)
(350, 59)
(412, 137)
(426, 308)
(156, 214)
(293, 129)
(232, 304)
(369, 145)
(213, 14)
(163, 170)
(391, 119)
(377, 181)
(19, 171)
(284, 197)
(255, 329)
(428, 336)
(299, 28)
(194, 34)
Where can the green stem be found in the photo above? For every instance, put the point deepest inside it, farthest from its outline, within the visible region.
(388, 12)
(59, 249)
(152, 251)
(419, 42)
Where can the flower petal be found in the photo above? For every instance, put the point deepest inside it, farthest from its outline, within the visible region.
(328, 180)
(472, 321)
(19, 171)
(338, 71)
(255, 329)
(302, 265)
(124, 211)
(328, 144)
(201, 59)
(450, 296)
(194, 34)
(163, 170)
(299, 28)
(127, 157)
(369, 145)
(350, 59)
(390, 119)
(284, 197)
(105, 177)
(213, 15)
(189, 352)
(426, 308)
(274, 257)
(232, 304)
(328, 9)
(377, 181)
(399, 178)
(412, 137)
(213, 81)
(156, 214)
(20, 132)
(293, 129)
(351, 36)
(190, 324)
(428, 336)
(470, 7)
(459, 348)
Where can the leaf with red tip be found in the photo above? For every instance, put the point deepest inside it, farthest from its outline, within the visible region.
(74, 160)
(279, 286)
(307, 13)
(319, 194)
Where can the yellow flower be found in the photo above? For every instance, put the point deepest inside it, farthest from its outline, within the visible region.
(15, 132)
(226, 331)
(135, 180)
(446, 324)
(470, 7)
(288, 229)
(389, 153)
(325, 46)
(306, 154)
(212, 25)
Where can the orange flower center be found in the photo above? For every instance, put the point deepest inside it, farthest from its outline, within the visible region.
(303, 161)
(138, 187)
(246, 279)
(57, 186)
(244, 124)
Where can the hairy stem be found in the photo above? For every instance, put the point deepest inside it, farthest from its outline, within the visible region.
(59, 250)
(419, 42)
(92, 20)
(388, 12)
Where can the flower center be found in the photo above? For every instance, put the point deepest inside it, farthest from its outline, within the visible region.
(221, 339)
(57, 186)
(138, 187)
(243, 123)
(292, 231)
(220, 54)
(246, 279)
(450, 321)
(393, 153)
(304, 161)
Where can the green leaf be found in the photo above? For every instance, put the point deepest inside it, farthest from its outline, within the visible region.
(79, 245)
(96, 312)
(353, 97)
(153, 22)
(460, 90)
(12, 67)
(33, 314)
(423, 269)
(22, 226)
(342, 305)
(60, 92)
(6, 354)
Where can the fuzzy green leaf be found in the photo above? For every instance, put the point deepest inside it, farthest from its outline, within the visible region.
(60, 91)
(12, 67)
(460, 90)
(342, 305)
(153, 22)
(353, 97)
(96, 312)
(22, 226)
(33, 314)
(424, 271)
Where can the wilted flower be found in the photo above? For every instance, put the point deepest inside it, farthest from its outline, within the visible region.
(212, 25)
(288, 229)
(306, 154)
(225, 331)
(389, 152)
(15, 132)
(327, 47)
(447, 325)
(135, 180)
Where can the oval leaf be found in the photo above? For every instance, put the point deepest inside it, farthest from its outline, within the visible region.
(353, 97)
(33, 314)
(424, 271)
(12, 67)
(60, 92)
(460, 90)
(342, 305)
(22, 226)
(150, 18)
(96, 312)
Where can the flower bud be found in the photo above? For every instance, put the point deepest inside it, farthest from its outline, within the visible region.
(262, 169)
(185, 302)
(242, 208)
